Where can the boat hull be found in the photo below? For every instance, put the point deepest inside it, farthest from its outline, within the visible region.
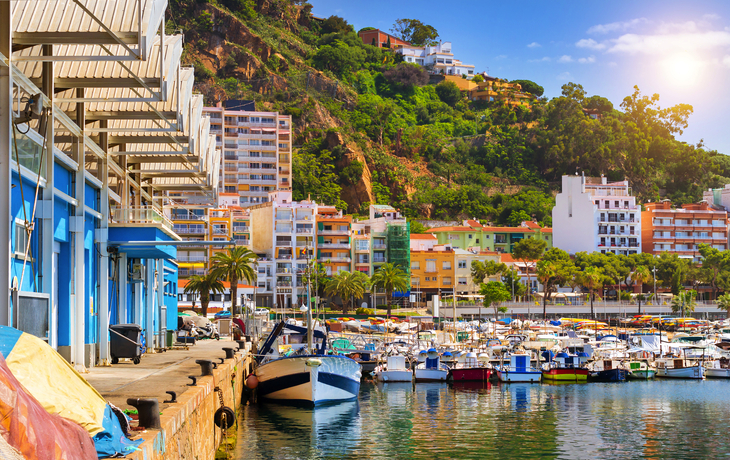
(393, 376)
(518, 376)
(471, 374)
(565, 375)
(641, 374)
(431, 375)
(717, 373)
(309, 380)
(609, 375)
(691, 372)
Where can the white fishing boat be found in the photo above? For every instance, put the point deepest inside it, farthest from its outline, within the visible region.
(718, 369)
(518, 370)
(430, 368)
(393, 370)
(305, 374)
(679, 368)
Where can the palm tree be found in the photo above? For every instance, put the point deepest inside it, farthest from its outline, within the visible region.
(640, 276)
(390, 278)
(684, 302)
(349, 286)
(723, 303)
(235, 265)
(592, 278)
(203, 286)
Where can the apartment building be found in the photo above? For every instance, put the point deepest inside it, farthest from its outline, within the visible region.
(681, 230)
(383, 237)
(474, 236)
(433, 272)
(283, 234)
(334, 244)
(592, 214)
(494, 89)
(377, 37)
(256, 149)
(718, 197)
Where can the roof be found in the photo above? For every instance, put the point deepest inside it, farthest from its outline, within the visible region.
(530, 224)
(474, 223)
(509, 258)
(451, 229)
(508, 230)
(423, 236)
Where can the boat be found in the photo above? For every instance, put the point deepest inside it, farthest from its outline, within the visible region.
(718, 369)
(679, 368)
(639, 370)
(607, 370)
(566, 368)
(393, 370)
(304, 374)
(430, 368)
(471, 369)
(518, 370)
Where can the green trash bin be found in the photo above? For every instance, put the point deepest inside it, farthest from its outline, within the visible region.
(170, 337)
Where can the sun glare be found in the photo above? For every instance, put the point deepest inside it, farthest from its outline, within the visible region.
(682, 69)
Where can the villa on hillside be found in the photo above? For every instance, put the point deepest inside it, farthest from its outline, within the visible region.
(494, 89)
(438, 58)
(377, 37)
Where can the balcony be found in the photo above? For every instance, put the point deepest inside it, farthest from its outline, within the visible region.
(283, 244)
(177, 215)
(333, 245)
(143, 215)
(220, 231)
(242, 241)
(284, 271)
(380, 246)
(284, 257)
(307, 231)
(333, 232)
(192, 259)
(286, 230)
(241, 229)
(334, 259)
(378, 260)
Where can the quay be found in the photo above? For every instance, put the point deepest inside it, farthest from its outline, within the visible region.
(187, 426)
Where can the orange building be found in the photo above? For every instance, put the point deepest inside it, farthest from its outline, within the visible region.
(378, 38)
(333, 240)
(433, 271)
(681, 230)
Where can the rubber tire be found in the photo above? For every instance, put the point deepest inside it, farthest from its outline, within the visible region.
(136, 360)
(115, 360)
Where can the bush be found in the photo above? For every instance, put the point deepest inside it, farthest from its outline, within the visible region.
(295, 112)
(448, 92)
(407, 75)
(364, 311)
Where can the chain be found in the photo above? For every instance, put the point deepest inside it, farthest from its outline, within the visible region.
(220, 395)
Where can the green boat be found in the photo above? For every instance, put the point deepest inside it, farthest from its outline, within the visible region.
(640, 370)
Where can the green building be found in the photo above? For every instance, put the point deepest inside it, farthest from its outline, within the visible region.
(493, 239)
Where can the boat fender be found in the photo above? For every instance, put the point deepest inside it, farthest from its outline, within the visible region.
(224, 417)
(252, 381)
(314, 362)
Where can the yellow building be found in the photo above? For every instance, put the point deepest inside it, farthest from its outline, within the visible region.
(494, 89)
(433, 272)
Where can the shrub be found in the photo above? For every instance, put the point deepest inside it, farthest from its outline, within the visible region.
(364, 311)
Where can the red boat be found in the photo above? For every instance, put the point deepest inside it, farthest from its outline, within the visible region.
(563, 374)
(470, 370)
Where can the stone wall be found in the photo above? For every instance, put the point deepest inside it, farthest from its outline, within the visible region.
(188, 431)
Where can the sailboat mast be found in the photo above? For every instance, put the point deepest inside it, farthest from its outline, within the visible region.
(309, 304)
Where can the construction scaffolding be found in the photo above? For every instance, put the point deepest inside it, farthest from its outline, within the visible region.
(399, 245)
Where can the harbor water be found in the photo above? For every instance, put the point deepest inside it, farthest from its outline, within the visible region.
(644, 419)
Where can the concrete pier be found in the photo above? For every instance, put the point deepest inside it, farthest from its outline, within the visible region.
(187, 430)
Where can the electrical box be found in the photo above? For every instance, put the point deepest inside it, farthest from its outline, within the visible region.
(137, 272)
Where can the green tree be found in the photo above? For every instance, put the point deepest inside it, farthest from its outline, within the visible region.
(529, 250)
(448, 92)
(531, 87)
(339, 58)
(390, 278)
(415, 32)
(407, 75)
(513, 281)
(723, 303)
(714, 263)
(348, 286)
(335, 24)
(685, 302)
(417, 227)
(554, 269)
(203, 286)
(485, 269)
(641, 275)
(234, 265)
(592, 279)
(494, 293)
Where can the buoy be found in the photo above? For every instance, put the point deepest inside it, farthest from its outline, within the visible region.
(252, 381)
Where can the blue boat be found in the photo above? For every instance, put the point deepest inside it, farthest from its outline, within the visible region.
(607, 370)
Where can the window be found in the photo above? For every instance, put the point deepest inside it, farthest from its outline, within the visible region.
(415, 265)
(447, 280)
(21, 238)
(446, 265)
(431, 266)
(462, 264)
(471, 236)
(462, 281)
(477, 241)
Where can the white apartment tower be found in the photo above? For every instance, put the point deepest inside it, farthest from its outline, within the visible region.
(592, 214)
(256, 156)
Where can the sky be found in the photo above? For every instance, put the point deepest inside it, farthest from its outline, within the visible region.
(679, 50)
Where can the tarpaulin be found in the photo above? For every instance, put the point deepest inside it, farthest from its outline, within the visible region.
(35, 433)
(63, 391)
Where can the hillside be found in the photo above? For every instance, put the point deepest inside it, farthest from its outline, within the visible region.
(370, 129)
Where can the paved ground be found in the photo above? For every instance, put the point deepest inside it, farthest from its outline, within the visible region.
(155, 374)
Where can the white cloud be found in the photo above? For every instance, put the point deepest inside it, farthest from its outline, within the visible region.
(616, 26)
(590, 44)
(612, 64)
(588, 60)
(565, 76)
(534, 45)
(664, 43)
(545, 59)
(565, 59)
(726, 61)
(710, 16)
(501, 56)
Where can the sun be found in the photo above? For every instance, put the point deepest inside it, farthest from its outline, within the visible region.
(682, 69)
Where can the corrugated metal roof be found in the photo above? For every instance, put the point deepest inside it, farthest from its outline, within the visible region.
(66, 17)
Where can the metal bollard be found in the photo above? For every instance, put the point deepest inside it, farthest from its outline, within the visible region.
(241, 344)
(230, 353)
(206, 366)
(148, 410)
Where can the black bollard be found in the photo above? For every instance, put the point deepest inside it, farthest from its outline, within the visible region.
(148, 410)
(173, 399)
(194, 379)
(230, 353)
(206, 366)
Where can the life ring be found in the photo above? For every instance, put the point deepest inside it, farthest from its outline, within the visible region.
(645, 355)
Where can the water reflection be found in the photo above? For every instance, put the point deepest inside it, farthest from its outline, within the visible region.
(481, 420)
